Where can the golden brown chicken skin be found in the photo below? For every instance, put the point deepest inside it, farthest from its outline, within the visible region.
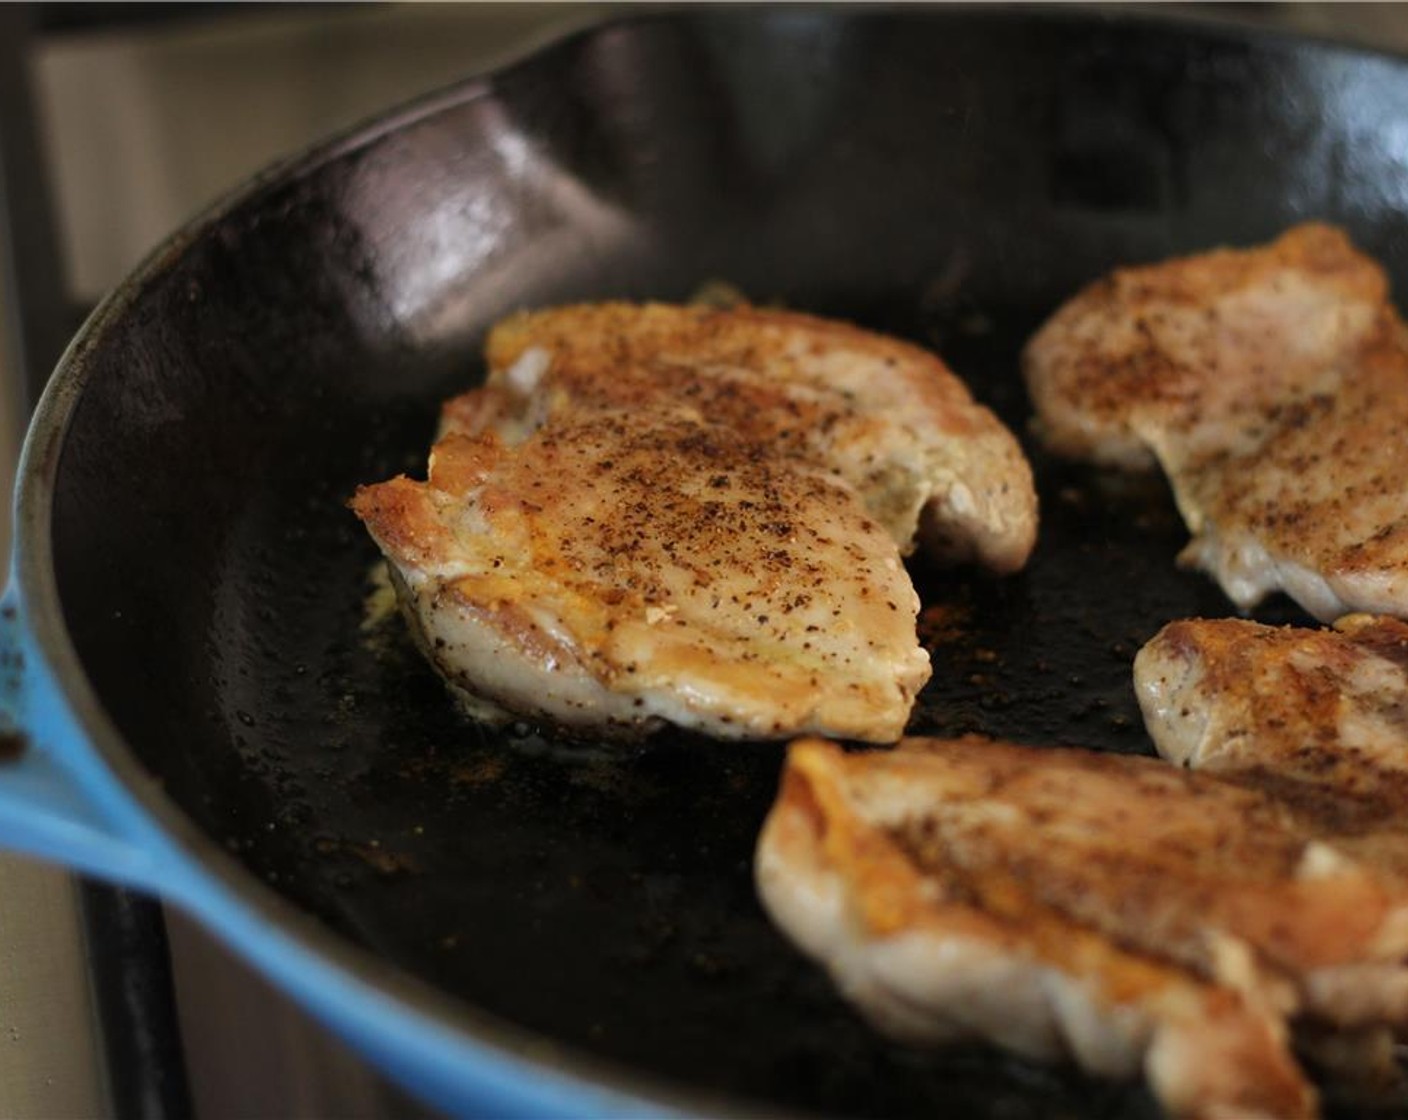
(1271, 385)
(655, 514)
(939, 884)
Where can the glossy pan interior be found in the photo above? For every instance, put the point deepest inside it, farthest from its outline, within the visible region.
(947, 175)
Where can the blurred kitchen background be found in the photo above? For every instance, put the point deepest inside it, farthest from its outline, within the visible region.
(118, 122)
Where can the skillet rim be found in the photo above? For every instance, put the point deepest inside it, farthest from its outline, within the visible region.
(33, 574)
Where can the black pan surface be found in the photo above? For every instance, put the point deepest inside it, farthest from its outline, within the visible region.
(949, 176)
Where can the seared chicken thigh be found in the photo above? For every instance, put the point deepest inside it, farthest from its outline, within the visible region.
(1316, 720)
(975, 889)
(1272, 386)
(664, 514)
(1326, 707)
(1219, 877)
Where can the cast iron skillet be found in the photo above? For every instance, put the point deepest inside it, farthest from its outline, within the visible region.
(188, 569)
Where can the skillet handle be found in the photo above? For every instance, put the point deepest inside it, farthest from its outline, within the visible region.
(58, 800)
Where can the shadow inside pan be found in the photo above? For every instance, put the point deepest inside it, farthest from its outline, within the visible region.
(948, 176)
